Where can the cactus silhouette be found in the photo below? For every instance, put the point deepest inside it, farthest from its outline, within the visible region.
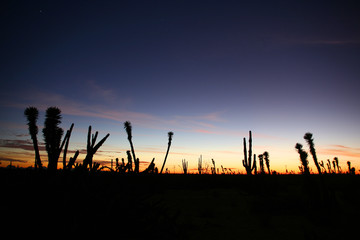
(213, 169)
(200, 168)
(249, 166)
(303, 159)
(310, 141)
(170, 135)
(336, 161)
(52, 135)
(267, 161)
(67, 139)
(261, 162)
(32, 114)
(128, 128)
(184, 166)
(91, 149)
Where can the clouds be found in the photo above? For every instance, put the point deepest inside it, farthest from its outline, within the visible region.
(339, 150)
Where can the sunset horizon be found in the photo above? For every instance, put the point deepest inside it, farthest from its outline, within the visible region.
(209, 71)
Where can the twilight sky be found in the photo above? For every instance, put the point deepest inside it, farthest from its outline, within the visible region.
(209, 71)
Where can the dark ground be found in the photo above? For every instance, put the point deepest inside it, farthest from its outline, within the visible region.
(180, 206)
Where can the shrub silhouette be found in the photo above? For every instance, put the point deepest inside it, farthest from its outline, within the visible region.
(32, 114)
(247, 161)
(170, 135)
(310, 141)
(303, 158)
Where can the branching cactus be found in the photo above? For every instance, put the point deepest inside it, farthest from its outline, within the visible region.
(91, 148)
(247, 163)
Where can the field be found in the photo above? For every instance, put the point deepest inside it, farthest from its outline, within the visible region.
(171, 206)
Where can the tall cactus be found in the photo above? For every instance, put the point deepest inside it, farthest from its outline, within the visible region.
(249, 166)
(31, 114)
(91, 148)
(309, 139)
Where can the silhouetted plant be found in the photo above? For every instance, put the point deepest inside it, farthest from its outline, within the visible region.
(170, 135)
(67, 139)
(261, 163)
(91, 148)
(336, 161)
(128, 128)
(303, 158)
(184, 166)
(52, 136)
(267, 161)
(72, 160)
(322, 165)
(200, 168)
(32, 114)
(249, 166)
(213, 169)
(129, 164)
(310, 141)
(151, 168)
(351, 169)
(328, 164)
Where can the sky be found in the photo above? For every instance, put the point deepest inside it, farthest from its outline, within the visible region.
(209, 71)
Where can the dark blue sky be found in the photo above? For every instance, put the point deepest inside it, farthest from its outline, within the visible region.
(276, 67)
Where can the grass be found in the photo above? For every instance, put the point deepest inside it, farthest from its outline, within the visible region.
(182, 206)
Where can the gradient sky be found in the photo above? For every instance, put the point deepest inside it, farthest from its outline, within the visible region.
(209, 71)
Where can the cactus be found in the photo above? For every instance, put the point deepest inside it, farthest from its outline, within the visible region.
(261, 161)
(249, 166)
(303, 158)
(31, 114)
(200, 165)
(91, 148)
(213, 169)
(151, 167)
(72, 160)
(170, 135)
(267, 161)
(52, 136)
(310, 141)
(185, 166)
(66, 140)
(128, 128)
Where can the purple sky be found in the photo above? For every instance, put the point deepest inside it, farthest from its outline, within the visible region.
(207, 70)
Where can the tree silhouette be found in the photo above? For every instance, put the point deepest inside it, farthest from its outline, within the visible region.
(52, 136)
(310, 141)
(303, 159)
(267, 160)
(170, 135)
(32, 114)
(128, 128)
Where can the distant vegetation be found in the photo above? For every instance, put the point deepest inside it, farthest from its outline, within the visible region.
(55, 143)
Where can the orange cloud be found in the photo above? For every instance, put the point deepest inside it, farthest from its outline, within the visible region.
(339, 150)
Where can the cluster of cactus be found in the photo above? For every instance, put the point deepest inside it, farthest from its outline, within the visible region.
(185, 165)
(52, 136)
(320, 166)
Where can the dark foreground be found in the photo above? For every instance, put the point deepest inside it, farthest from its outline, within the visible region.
(180, 206)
